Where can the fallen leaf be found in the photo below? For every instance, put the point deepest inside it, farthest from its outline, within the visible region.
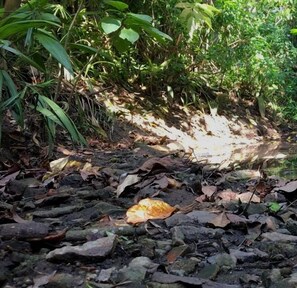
(162, 183)
(17, 218)
(58, 165)
(9, 177)
(65, 151)
(176, 252)
(209, 190)
(89, 170)
(42, 280)
(248, 197)
(129, 181)
(289, 187)
(220, 221)
(227, 195)
(165, 163)
(236, 219)
(56, 236)
(149, 209)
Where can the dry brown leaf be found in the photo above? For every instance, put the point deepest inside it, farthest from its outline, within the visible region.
(209, 190)
(65, 151)
(162, 183)
(227, 195)
(165, 163)
(149, 209)
(236, 219)
(289, 187)
(220, 221)
(248, 197)
(176, 252)
(89, 170)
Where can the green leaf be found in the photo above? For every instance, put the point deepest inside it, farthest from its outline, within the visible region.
(21, 27)
(183, 5)
(54, 47)
(84, 48)
(141, 18)
(159, 35)
(110, 24)
(129, 34)
(122, 45)
(50, 17)
(274, 207)
(58, 116)
(293, 31)
(117, 4)
(22, 56)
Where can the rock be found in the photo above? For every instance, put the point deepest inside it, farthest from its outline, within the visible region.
(188, 281)
(95, 232)
(33, 192)
(105, 274)
(161, 285)
(209, 271)
(4, 273)
(202, 217)
(29, 205)
(223, 260)
(278, 237)
(109, 209)
(97, 249)
(183, 267)
(249, 256)
(55, 212)
(291, 226)
(178, 219)
(136, 270)
(65, 280)
(147, 247)
(74, 180)
(26, 230)
(271, 277)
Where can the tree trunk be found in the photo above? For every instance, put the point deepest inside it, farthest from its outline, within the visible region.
(11, 5)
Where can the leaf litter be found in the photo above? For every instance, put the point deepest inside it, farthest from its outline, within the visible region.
(158, 220)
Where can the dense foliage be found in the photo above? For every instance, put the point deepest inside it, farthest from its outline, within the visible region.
(190, 52)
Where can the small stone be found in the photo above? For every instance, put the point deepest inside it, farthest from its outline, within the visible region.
(291, 226)
(209, 271)
(136, 270)
(202, 217)
(29, 205)
(279, 237)
(177, 220)
(271, 277)
(223, 260)
(183, 267)
(97, 249)
(105, 274)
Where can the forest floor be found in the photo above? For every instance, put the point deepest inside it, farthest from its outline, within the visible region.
(145, 209)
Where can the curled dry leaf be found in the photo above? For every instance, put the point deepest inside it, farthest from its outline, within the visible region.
(129, 181)
(149, 209)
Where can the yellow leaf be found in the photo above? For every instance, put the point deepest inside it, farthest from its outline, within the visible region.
(148, 209)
